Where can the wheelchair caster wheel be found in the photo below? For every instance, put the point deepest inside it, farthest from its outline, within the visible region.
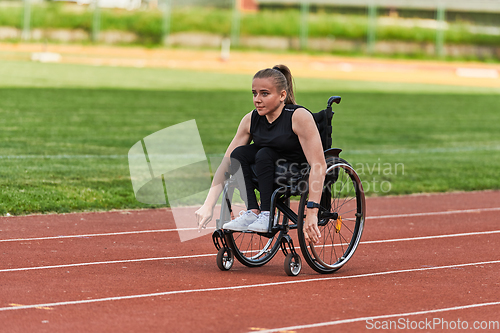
(225, 259)
(293, 265)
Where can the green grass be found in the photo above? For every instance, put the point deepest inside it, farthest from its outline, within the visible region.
(66, 130)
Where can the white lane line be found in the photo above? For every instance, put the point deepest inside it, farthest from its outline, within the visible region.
(270, 284)
(397, 315)
(213, 254)
(98, 235)
(431, 237)
(104, 262)
(464, 211)
(447, 212)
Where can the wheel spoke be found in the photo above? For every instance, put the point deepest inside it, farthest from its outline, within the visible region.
(344, 203)
(343, 224)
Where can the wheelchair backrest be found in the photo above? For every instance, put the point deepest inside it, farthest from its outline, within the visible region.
(323, 121)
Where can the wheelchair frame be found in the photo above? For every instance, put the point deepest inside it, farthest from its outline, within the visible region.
(346, 212)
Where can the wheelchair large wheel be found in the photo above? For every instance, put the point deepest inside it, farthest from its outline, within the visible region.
(250, 248)
(341, 219)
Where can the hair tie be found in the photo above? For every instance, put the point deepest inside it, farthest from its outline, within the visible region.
(277, 68)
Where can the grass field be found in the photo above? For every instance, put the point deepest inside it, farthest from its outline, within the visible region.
(66, 130)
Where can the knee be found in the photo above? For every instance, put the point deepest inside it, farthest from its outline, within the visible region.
(265, 155)
(238, 153)
(237, 157)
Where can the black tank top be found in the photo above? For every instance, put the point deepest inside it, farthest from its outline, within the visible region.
(278, 135)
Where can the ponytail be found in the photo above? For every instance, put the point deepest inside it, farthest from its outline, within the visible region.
(282, 78)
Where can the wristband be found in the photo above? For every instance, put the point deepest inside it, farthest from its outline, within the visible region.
(312, 204)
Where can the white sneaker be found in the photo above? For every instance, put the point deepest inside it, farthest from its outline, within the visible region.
(242, 222)
(261, 224)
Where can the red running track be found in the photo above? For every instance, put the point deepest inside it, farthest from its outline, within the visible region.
(428, 260)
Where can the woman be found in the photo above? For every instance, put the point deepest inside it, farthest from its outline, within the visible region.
(279, 130)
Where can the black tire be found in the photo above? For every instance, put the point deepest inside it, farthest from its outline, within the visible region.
(342, 194)
(292, 265)
(250, 248)
(225, 259)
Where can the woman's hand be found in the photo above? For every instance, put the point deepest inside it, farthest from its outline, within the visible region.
(204, 216)
(311, 230)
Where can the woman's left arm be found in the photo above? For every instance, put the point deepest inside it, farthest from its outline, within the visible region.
(304, 126)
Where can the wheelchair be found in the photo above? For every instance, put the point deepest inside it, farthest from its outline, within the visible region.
(340, 218)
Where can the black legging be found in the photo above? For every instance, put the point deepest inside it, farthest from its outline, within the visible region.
(264, 159)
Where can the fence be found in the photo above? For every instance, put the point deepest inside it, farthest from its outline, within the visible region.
(165, 6)
(439, 6)
(306, 9)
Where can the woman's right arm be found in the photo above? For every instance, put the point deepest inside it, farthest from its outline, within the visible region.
(242, 137)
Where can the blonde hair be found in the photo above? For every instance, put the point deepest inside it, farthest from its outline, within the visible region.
(282, 79)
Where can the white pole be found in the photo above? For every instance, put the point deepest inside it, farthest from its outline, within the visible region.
(26, 20)
(225, 49)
